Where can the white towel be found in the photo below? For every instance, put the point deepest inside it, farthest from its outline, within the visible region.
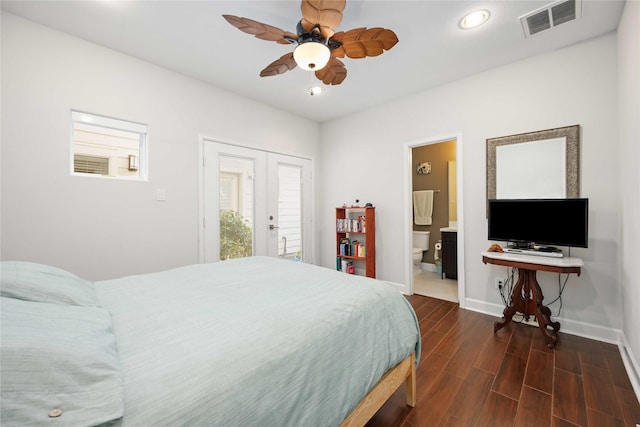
(422, 207)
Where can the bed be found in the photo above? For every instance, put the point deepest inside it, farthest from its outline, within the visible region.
(247, 342)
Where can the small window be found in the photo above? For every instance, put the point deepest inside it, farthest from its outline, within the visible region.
(107, 147)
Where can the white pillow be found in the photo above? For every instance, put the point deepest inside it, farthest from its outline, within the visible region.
(60, 365)
(31, 281)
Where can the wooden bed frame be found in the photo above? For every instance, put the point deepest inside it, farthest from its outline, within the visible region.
(403, 372)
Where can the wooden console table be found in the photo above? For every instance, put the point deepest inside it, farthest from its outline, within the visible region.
(526, 296)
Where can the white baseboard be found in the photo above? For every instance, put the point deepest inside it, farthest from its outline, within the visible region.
(581, 329)
(398, 286)
(573, 327)
(630, 364)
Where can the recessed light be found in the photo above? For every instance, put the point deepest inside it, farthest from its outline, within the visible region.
(474, 19)
(315, 90)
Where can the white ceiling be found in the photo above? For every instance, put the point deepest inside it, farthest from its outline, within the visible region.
(192, 38)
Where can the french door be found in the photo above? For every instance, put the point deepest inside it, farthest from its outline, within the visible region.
(255, 203)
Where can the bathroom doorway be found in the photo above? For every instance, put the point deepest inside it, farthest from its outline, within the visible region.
(438, 273)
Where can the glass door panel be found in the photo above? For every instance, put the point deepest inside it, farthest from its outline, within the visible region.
(289, 205)
(289, 212)
(236, 203)
(233, 202)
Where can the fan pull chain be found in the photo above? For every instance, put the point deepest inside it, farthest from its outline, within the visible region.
(314, 88)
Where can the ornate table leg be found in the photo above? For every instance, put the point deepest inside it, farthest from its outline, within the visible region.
(543, 315)
(514, 306)
(526, 298)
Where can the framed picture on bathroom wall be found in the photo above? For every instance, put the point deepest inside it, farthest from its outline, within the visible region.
(424, 168)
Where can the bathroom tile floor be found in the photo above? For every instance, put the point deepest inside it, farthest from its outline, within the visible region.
(427, 283)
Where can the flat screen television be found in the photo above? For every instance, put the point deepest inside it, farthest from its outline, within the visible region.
(545, 222)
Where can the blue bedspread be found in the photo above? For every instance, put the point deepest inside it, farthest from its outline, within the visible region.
(253, 342)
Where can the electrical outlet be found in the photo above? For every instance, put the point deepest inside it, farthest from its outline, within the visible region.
(499, 283)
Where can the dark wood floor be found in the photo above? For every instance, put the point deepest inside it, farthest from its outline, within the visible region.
(468, 376)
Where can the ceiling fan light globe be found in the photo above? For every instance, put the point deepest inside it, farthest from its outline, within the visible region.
(311, 56)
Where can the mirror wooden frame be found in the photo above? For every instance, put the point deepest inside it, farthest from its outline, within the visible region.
(572, 155)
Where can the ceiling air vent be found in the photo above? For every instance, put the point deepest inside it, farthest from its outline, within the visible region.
(551, 16)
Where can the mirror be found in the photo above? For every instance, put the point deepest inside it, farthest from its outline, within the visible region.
(453, 196)
(543, 164)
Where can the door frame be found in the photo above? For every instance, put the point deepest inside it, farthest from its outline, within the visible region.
(311, 257)
(408, 209)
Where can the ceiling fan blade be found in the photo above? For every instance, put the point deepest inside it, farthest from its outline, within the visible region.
(260, 30)
(333, 73)
(280, 66)
(327, 14)
(363, 42)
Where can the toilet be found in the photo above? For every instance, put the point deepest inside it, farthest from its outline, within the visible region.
(420, 245)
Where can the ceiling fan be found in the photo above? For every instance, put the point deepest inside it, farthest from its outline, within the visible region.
(318, 45)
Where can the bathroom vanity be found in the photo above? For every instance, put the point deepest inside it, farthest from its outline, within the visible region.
(449, 253)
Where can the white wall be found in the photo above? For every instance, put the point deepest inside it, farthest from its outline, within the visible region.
(576, 85)
(77, 223)
(629, 177)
